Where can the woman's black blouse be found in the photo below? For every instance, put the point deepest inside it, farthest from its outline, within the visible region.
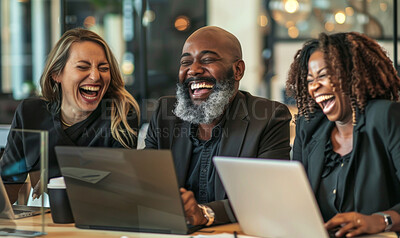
(22, 152)
(332, 185)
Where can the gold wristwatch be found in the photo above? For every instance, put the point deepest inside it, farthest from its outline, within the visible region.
(208, 213)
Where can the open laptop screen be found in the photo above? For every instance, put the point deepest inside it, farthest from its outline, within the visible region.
(122, 189)
(271, 198)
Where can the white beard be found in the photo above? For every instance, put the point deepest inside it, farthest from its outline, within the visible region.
(207, 111)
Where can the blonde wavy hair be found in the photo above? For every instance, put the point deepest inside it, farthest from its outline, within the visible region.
(122, 101)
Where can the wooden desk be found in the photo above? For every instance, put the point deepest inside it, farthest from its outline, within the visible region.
(69, 230)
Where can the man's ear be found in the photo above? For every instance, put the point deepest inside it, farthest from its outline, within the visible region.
(238, 69)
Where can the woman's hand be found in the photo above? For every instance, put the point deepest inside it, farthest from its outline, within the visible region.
(192, 211)
(354, 224)
(36, 193)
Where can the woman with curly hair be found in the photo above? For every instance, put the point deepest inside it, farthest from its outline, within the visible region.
(348, 131)
(84, 103)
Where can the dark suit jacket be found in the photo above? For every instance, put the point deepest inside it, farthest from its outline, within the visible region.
(374, 175)
(254, 127)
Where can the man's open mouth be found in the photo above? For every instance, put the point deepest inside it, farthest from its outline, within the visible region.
(199, 88)
(89, 92)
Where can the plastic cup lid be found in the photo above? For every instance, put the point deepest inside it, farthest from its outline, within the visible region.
(56, 183)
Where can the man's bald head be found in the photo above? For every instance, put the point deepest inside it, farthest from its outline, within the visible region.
(214, 34)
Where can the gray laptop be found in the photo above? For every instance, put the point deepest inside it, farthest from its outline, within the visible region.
(9, 211)
(123, 189)
(271, 198)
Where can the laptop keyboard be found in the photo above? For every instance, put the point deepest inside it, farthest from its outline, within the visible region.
(332, 232)
(18, 212)
(25, 208)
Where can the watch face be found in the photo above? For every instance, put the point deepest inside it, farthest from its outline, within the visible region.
(389, 219)
(210, 212)
(389, 223)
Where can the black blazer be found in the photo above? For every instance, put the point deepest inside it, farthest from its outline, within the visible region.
(374, 174)
(254, 127)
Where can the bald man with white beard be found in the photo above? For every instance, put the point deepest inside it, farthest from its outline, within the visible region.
(209, 117)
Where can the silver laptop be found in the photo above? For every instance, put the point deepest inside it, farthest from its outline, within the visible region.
(271, 198)
(123, 189)
(9, 211)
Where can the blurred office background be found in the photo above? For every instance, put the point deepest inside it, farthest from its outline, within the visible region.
(147, 37)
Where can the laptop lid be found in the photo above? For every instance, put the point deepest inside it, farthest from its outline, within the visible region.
(122, 189)
(271, 198)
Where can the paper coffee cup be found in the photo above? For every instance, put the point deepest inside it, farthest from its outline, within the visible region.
(59, 203)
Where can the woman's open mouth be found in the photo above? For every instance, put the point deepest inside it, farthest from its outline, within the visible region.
(326, 102)
(89, 92)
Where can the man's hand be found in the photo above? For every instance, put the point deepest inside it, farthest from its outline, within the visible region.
(354, 223)
(193, 213)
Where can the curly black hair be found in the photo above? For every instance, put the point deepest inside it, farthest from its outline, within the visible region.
(361, 66)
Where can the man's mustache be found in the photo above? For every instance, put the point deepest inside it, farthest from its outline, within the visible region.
(203, 79)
